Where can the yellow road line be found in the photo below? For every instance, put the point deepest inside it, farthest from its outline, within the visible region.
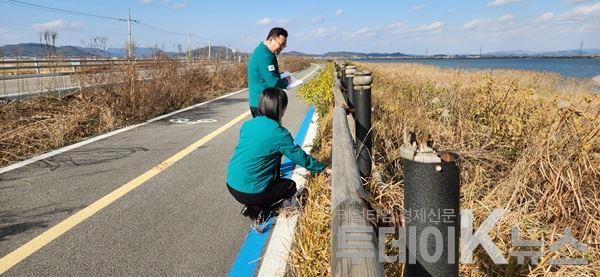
(40, 241)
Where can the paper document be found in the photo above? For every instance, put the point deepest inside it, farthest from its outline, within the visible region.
(293, 81)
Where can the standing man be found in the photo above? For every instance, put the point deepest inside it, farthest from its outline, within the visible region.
(263, 69)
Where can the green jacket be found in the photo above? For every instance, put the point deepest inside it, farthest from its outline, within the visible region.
(257, 156)
(263, 72)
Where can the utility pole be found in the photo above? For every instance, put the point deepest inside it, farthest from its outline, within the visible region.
(189, 46)
(209, 50)
(129, 46)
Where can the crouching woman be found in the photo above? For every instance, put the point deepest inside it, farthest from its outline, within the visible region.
(253, 174)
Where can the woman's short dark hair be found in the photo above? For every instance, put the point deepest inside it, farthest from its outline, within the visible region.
(276, 32)
(272, 103)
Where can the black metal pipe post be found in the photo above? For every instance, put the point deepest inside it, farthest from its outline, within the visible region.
(350, 71)
(343, 79)
(432, 208)
(362, 100)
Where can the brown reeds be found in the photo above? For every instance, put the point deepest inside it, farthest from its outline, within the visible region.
(293, 63)
(529, 142)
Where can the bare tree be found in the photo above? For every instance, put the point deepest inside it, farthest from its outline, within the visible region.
(49, 42)
(97, 45)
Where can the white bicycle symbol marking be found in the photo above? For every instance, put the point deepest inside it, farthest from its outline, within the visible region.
(189, 122)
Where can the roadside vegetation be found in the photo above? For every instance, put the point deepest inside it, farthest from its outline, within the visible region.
(529, 142)
(311, 251)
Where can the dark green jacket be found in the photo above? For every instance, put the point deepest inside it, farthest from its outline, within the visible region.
(258, 153)
(263, 72)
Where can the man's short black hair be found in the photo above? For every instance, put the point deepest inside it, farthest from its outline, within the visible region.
(276, 32)
(272, 103)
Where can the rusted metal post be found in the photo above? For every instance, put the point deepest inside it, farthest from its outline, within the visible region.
(350, 70)
(362, 100)
(431, 203)
(343, 75)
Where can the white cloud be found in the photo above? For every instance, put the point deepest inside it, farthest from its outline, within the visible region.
(545, 17)
(418, 7)
(397, 30)
(268, 21)
(434, 27)
(477, 23)
(318, 19)
(264, 21)
(339, 12)
(500, 3)
(180, 6)
(363, 32)
(146, 1)
(581, 13)
(319, 33)
(587, 10)
(57, 25)
(504, 22)
(506, 18)
(2, 31)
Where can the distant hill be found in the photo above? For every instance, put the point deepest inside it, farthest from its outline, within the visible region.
(561, 53)
(585, 52)
(346, 54)
(39, 50)
(298, 53)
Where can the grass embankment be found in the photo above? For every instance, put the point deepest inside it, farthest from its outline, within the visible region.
(312, 236)
(529, 142)
(39, 124)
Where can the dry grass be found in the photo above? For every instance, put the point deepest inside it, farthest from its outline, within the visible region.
(42, 123)
(293, 63)
(311, 252)
(530, 143)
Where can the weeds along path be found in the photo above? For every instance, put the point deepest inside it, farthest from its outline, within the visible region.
(311, 252)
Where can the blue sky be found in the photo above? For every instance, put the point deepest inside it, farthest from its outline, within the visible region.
(320, 26)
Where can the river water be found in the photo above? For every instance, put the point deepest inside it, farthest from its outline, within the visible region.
(571, 67)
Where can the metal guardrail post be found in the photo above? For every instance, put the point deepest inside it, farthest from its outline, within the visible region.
(343, 75)
(431, 188)
(350, 71)
(362, 100)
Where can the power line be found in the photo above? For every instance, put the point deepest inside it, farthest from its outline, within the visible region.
(38, 6)
(151, 27)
